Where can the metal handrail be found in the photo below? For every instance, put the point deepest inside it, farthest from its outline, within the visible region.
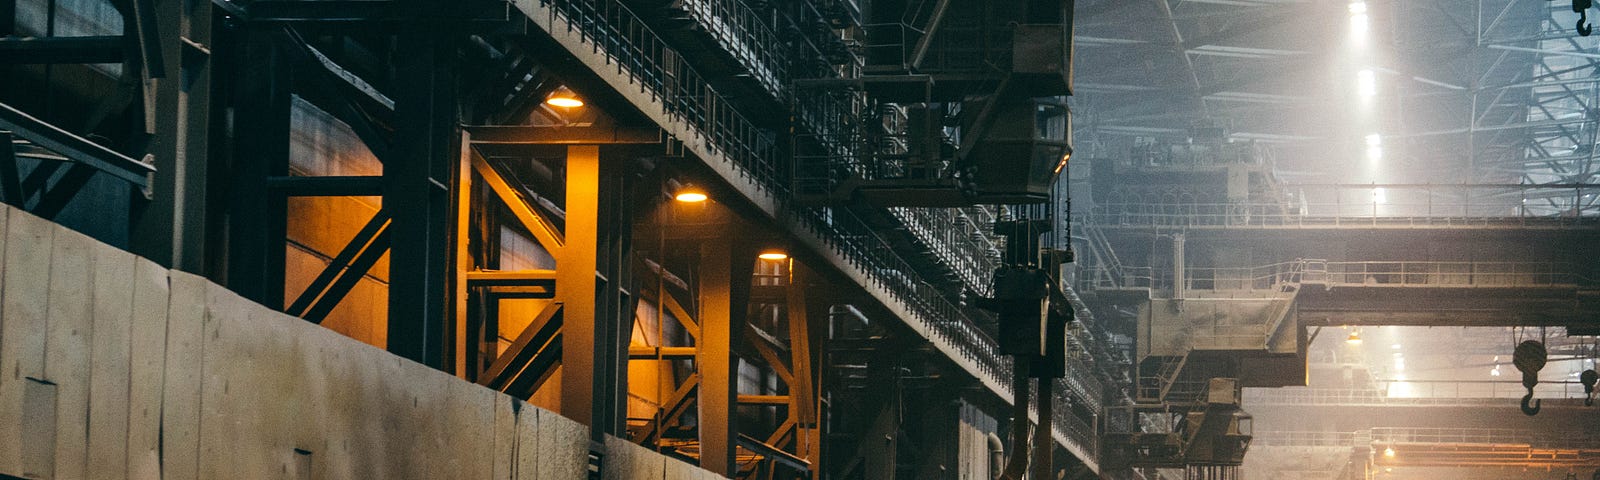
(1279, 276)
(74, 147)
(743, 33)
(1497, 394)
(1389, 436)
(1507, 211)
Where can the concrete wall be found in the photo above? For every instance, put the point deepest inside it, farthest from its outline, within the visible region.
(112, 367)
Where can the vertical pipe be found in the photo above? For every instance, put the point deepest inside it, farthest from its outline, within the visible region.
(1044, 444)
(462, 262)
(1018, 465)
(1178, 276)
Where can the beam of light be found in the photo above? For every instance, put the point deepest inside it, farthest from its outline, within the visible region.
(1358, 22)
(1367, 83)
(1374, 147)
(1380, 196)
(1400, 387)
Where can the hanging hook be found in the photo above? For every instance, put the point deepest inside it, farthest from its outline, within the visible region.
(1582, 9)
(1588, 378)
(1530, 357)
(1534, 409)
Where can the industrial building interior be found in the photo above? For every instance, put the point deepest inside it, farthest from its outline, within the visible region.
(799, 239)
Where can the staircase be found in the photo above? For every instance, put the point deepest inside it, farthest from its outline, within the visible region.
(1106, 271)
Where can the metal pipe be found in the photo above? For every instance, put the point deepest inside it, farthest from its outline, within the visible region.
(997, 456)
(1043, 445)
(1018, 466)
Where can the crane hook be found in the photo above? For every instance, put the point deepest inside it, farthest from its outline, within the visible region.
(1530, 357)
(1588, 378)
(1581, 7)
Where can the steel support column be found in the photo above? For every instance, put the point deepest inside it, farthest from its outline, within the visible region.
(715, 360)
(172, 230)
(256, 223)
(576, 284)
(418, 180)
(615, 298)
(724, 284)
(805, 404)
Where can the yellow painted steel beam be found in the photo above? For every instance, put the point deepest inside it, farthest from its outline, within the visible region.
(666, 353)
(715, 360)
(510, 276)
(575, 281)
(543, 230)
(764, 399)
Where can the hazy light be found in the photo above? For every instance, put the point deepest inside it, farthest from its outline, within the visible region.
(1495, 372)
(1354, 338)
(1358, 26)
(1374, 140)
(1388, 452)
(1400, 388)
(773, 255)
(1358, 8)
(1399, 364)
(1367, 83)
(1380, 196)
(1394, 347)
(1374, 147)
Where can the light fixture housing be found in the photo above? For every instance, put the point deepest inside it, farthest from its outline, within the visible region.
(690, 195)
(1354, 338)
(563, 97)
(773, 255)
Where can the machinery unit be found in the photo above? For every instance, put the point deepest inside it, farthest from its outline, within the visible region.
(963, 106)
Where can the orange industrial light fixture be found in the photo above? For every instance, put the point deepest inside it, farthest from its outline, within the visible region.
(773, 255)
(564, 98)
(690, 195)
(1354, 338)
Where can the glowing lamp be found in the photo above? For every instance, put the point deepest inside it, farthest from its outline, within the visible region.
(564, 98)
(690, 195)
